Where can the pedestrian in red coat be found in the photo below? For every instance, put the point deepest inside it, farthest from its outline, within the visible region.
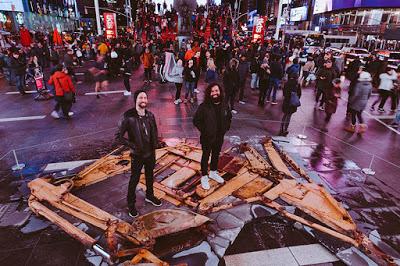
(26, 39)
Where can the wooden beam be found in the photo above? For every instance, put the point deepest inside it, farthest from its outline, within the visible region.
(275, 159)
(254, 188)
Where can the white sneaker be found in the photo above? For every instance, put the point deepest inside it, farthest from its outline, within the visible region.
(176, 102)
(215, 176)
(55, 115)
(242, 102)
(204, 182)
(196, 91)
(70, 113)
(127, 93)
(179, 100)
(234, 112)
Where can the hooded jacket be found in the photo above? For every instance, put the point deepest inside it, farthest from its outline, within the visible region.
(361, 93)
(130, 123)
(62, 83)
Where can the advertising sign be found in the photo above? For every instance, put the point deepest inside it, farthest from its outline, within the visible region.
(13, 5)
(259, 29)
(321, 6)
(110, 25)
(298, 14)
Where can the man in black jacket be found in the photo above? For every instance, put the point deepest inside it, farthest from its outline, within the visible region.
(18, 68)
(141, 127)
(213, 120)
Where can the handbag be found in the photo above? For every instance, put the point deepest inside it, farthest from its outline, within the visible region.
(294, 99)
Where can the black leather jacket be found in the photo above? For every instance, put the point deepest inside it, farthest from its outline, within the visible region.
(130, 123)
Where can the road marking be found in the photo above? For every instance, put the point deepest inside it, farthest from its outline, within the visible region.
(17, 92)
(384, 116)
(104, 92)
(378, 119)
(22, 118)
(79, 74)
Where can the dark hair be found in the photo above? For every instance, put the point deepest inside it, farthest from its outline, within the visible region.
(207, 92)
(295, 61)
(136, 94)
(388, 69)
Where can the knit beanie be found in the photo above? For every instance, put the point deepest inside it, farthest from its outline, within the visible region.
(136, 94)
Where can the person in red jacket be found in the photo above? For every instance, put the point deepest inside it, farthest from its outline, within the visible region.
(65, 92)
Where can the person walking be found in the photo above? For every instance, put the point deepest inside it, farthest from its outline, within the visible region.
(243, 70)
(325, 77)
(358, 101)
(189, 74)
(275, 78)
(148, 62)
(254, 70)
(213, 120)
(231, 83)
(64, 92)
(177, 78)
(291, 101)
(386, 87)
(18, 70)
(99, 72)
(331, 101)
(140, 126)
(263, 76)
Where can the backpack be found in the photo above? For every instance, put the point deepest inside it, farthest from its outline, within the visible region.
(294, 99)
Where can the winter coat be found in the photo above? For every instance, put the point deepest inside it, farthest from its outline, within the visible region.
(243, 70)
(361, 93)
(254, 66)
(295, 68)
(187, 74)
(325, 77)
(130, 123)
(211, 76)
(176, 74)
(26, 39)
(331, 99)
(18, 65)
(147, 60)
(291, 86)
(205, 121)
(387, 81)
(339, 65)
(263, 77)
(231, 81)
(276, 70)
(62, 83)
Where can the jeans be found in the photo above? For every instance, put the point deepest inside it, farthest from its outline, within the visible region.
(320, 92)
(178, 90)
(20, 83)
(214, 149)
(242, 83)
(137, 164)
(147, 73)
(273, 87)
(385, 95)
(254, 81)
(189, 86)
(285, 122)
(354, 115)
(126, 83)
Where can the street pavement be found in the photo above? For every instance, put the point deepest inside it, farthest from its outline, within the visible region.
(27, 127)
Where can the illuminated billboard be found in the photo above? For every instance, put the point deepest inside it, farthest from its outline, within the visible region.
(298, 13)
(322, 6)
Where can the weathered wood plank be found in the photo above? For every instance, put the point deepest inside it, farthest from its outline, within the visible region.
(275, 159)
(179, 177)
(254, 188)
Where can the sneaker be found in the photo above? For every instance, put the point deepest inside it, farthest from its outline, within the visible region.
(267, 101)
(191, 100)
(70, 113)
(176, 102)
(274, 103)
(204, 182)
(381, 110)
(55, 115)
(196, 91)
(234, 112)
(179, 100)
(150, 81)
(153, 200)
(215, 176)
(133, 212)
(242, 102)
(394, 125)
(127, 93)
(321, 108)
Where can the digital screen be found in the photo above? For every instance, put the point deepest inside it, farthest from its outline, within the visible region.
(298, 14)
(322, 6)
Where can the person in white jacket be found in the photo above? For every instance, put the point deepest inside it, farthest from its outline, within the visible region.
(386, 87)
(177, 77)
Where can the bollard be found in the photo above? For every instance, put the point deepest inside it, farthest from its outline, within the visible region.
(369, 171)
(18, 166)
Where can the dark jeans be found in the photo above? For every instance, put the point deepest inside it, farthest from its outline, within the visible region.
(178, 87)
(214, 149)
(318, 98)
(356, 115)
(230, 99)
(263, 93)
(385, 95)
(63, 104)
(273, 87)
(126, 83)
(242, 84)
(20, 83)
(328, 117)
(147, 73)
(137, 164)
(285, 121)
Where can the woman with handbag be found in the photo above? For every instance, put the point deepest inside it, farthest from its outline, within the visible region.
(291, 101)
(65, 92)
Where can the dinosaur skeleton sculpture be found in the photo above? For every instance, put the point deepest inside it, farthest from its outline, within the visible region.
(249, 177)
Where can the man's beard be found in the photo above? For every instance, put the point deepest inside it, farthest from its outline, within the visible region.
(216, 99)
(143, 105)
